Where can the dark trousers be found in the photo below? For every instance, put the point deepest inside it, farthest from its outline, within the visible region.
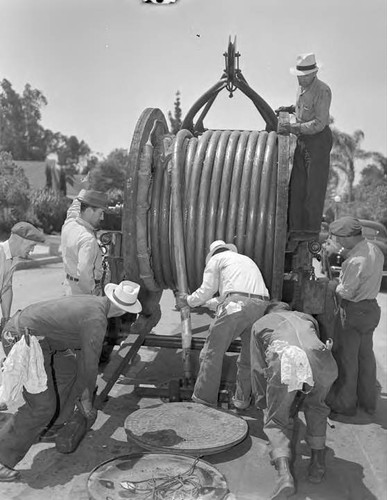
(39, 410)
(273, 397)
(353, 350)
(308, 182)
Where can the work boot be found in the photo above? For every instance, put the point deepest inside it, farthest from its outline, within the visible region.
(285, 482)
(7, 474)
(316, 469)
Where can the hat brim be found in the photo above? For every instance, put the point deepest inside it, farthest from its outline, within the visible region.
(298, 72)
(135, 308)
(92, 205)
(229, 246)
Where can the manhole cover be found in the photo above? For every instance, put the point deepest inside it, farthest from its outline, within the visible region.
(185, 427)
(162, 476)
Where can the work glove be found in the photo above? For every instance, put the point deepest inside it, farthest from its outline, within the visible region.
(288, 128)
(181, 300)
(287, 109)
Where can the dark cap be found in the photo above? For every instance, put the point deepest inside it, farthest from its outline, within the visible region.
(345, 226)
(95, 199)
(28, 232)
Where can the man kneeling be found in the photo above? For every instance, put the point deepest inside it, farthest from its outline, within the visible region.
(287, 357)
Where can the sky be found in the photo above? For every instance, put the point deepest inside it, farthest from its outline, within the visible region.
(100, 63)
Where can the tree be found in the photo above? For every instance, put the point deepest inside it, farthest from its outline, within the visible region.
(109, 175)
(175, 119)
(14, 192)
(20, 131)
(345, 151)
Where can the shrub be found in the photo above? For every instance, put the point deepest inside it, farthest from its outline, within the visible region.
(14, 193)
(49, 207)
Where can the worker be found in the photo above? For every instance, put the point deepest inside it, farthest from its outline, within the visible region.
(242, 299)
(309, 176)
(23, 238)
(359, 285)
(82, 256)
(289, 363)
(75, 322)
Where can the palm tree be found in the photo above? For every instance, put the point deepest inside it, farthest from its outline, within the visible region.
(345, 151)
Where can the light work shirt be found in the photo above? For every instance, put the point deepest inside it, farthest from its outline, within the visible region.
(70, 322)
(7, 267)
(361, 272)
(312, 107)
(82, 256)
(228, 272)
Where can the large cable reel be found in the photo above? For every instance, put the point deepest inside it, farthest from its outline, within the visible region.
(186, 190)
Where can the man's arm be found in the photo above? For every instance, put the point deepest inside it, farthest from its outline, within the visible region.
(86, 259)
(6, 302)
(92, 336)
(209, 286)
(350, 280)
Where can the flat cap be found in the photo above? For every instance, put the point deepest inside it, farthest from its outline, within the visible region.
(345, 226)
(95, 199)
(28, 232)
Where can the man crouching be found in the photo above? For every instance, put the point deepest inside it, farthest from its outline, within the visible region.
(65, 330)
(289, 360)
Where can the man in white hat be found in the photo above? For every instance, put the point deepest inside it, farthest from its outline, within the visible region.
(73, 323)
(242, 300)
(23, 238)
(82, 256)
(309, 177)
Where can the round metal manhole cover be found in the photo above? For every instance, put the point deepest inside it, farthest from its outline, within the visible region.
(190, 428)
(150, 475)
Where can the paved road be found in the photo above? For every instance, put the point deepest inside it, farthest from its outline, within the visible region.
(356, 459)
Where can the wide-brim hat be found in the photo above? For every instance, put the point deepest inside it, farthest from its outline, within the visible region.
(305, 65)
(95, 199)
(124, 295)
(216, 245)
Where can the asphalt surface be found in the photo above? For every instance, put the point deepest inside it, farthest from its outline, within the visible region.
(357, 449)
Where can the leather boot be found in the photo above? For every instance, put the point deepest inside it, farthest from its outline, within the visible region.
(7, 474)
(316, 469)
(285, 483)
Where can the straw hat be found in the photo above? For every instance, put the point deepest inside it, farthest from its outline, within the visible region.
(215, 245)
(124, 295)
(305, 65)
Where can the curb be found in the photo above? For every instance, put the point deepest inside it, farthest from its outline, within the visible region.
(34, 263)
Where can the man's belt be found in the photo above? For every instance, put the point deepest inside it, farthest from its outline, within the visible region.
(250, 295)
(71, 278)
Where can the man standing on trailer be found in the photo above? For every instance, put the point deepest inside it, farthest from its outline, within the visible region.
(242, 299)
(309, 177)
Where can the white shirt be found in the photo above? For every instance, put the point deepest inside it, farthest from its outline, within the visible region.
(228, 272)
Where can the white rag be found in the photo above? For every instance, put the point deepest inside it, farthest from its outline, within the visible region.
(24, 366)
(295, 366)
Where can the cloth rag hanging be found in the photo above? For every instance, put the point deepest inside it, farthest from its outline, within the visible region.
(295, 366)
(23, 367)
